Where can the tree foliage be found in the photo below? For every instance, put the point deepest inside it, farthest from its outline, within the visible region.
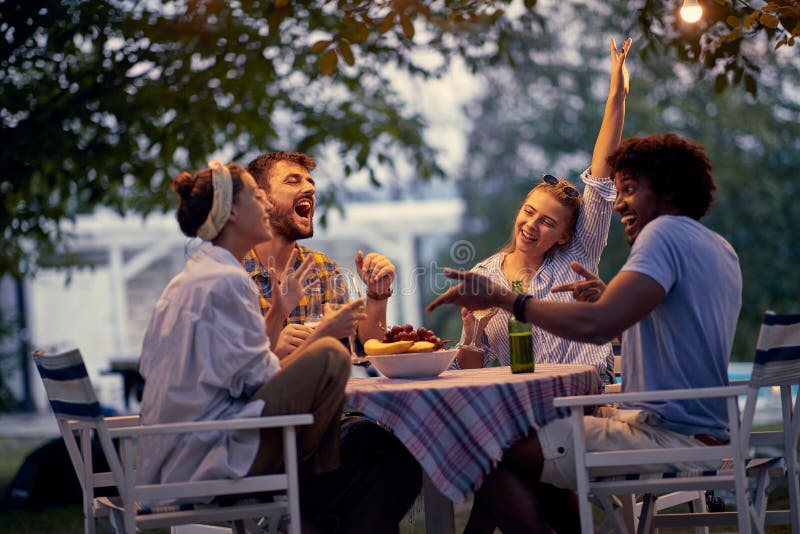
(543, 116)
(729, 41)
(102, 101)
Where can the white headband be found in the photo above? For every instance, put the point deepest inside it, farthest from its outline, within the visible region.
(221, 203)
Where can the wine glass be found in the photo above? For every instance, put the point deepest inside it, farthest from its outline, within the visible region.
(478, 315)
(346, 289)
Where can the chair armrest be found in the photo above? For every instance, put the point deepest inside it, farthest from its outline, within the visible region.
(205, 426)
(122, 421)
(119, 421)
(664, 394)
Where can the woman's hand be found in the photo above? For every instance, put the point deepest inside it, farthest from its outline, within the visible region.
(619, 72)
(291, 337)
(473, 329)
(341, 322)
(289, 285)
(469, 324)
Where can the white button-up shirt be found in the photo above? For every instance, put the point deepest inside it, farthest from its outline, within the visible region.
(204, 353)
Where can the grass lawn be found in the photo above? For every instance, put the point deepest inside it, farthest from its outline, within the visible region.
(69, 519)
(64, 519)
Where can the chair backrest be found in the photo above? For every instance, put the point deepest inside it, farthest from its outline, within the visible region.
(72, 397)
(68, 387)
(776, 363)
(777, 360)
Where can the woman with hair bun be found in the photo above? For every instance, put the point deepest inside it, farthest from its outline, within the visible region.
(206, 354)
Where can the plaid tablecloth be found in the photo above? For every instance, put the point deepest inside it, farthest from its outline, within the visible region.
(458, 425)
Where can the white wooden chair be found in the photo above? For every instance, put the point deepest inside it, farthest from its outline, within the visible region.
(79, 417)
(777, 363)
(627, 505)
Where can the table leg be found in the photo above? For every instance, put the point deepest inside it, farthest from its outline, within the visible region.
(439, 518)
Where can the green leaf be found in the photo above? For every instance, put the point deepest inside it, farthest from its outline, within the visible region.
(408, 26)
(770, 21)
(327, 63)
(372, 178)
(386, 23)
(320, 46)
(346, 52)
(363, 32)
(751, 19)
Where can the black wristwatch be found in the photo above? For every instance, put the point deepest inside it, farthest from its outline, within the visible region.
(519, 307)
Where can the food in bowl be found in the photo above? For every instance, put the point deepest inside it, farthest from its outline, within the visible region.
(406, 332)
(404, 339)
(373, 347)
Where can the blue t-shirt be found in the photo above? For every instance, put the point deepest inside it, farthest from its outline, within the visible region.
(685, 342)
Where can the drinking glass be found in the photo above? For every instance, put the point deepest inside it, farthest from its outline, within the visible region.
(346, 289)
(478, 315)
(313, 307)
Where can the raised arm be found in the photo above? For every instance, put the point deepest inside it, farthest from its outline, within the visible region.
(610, 134)
(591, 231)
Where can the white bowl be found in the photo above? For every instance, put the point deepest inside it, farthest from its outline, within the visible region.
(413, 364)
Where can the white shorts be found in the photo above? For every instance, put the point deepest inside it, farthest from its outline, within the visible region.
(615, 430)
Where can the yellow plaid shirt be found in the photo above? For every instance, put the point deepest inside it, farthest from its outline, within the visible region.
(324, 269)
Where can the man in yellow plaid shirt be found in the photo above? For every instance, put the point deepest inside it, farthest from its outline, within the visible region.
(378, 479)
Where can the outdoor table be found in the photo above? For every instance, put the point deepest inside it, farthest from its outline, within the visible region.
(132, 381)
(459, 424)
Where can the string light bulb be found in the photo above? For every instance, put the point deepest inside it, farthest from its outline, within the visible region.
(691, 11)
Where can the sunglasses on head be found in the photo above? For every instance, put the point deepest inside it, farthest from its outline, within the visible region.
(570, 191)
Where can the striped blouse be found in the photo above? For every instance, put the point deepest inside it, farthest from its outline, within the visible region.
(588, 242)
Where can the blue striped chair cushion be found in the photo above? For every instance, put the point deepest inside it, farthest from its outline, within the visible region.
(777, 358)
(68, 387)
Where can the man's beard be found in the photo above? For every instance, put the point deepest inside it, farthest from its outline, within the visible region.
(284, 225)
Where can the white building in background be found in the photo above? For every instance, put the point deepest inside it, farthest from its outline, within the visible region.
(104, 311)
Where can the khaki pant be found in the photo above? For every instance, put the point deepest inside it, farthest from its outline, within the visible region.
(311, 381)
(615, 430)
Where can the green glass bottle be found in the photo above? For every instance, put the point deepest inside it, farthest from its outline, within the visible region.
(521, 340)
